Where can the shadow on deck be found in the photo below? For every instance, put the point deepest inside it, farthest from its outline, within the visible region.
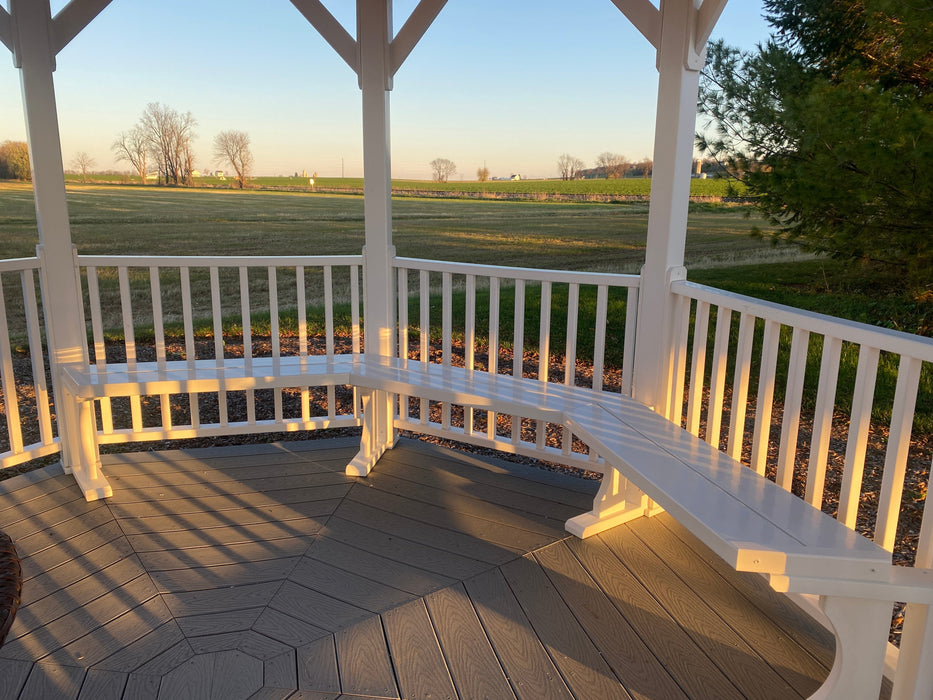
(264, 572)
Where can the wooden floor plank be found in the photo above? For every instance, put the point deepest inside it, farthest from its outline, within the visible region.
(796, 623)
(584, 670)
(52, 681)
(363, 660)
(218, 641)
(103, 685)
(281, 671)
(31, 503)
(236, 676)
(263, 550)
(31, 535)
(190, 681)
(317, 666)
(356, 590)
(218, 474)
(260, 646)
(529, 668)
(61, 548)
(220, 504)
(143, 651)
(632, 661)
(221, 600)
(286, 628)
(455, 501)
(234, 466)
(744, 666)
(803, 672)
(223, 536)
(694, 672)
(372, 566)
(174, 656)
(14, 674)
(140, 686)
(207, 577)
(422, 556)
(397, 525)
(220, 622)
(416, 654)
(316, 608)
(473, 665)
(227, 488)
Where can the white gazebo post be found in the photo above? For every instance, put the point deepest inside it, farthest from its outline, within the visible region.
(37, 40)
(684, 31)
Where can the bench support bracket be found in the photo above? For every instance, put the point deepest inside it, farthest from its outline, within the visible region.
(618, 501)
(80, 453)
(378, 432)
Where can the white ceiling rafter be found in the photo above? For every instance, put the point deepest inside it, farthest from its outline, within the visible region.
(645, 17)
(412, 31)
(6, 29)
(707, 17)
(332, 31)
(72, 18)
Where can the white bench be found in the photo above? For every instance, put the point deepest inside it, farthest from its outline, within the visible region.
(749, 521)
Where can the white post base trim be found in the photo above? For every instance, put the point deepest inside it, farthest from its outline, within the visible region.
(861, 629)
(618, 501)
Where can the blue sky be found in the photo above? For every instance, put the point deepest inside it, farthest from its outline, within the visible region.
(512, 83)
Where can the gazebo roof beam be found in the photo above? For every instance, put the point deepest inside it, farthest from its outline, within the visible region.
(72, 18)
(6, 29)
(332, 31)
(411, 32)
(707, 16)
(645, 17)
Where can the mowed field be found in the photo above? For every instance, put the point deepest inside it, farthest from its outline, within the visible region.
(168, 221)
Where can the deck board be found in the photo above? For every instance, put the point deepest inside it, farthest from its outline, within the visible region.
(263, 571)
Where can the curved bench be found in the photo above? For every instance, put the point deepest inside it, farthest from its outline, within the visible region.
(749, 521)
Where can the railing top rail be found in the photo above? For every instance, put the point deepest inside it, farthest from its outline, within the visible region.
(523, 273)
(217, 260)
(18, 264)
(850, 331)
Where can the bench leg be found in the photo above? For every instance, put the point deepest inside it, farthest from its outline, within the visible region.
(618, 501)
(861, 629)
(81, 457)
(378, 432)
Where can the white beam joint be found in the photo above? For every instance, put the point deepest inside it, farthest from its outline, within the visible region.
(72, 18)
(332, 31)
(645, 17)
(6, 29)
(707, 17)
(412, 31)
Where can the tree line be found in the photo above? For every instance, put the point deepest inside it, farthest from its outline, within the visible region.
(162, 140)
(608, 165)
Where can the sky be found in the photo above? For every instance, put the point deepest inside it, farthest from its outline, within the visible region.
(509, 83)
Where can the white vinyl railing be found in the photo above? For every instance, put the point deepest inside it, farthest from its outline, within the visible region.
(742, 366)
(25, 408)
(498, 312)
(204, 308)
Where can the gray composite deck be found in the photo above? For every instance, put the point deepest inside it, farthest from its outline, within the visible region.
(264, 572)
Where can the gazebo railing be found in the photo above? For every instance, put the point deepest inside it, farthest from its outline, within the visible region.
(478, 316)
(24, 390)
(823, 406)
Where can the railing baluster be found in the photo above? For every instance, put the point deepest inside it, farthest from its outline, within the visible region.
(246, 321)
(675, 410)
(217, 318)
(469, 344)
(129, 343)
(717, 383)
(100, 349)
(8, 381)
(698, 367)
(599, 336)
(275, 339)
(36, 355)
(446, 340)
(790, 422)
(403, 332)
(570, 354)
(764, 403)
(823, 421)
(895, 458)
(424, 308)
(857, 442)
(355, 329)
(743, 364)
(628, 353)
(329, 335)
(493, 347)
(190, 352)
(518, 350)
(301, 299)
(544, 353)
(158, 329)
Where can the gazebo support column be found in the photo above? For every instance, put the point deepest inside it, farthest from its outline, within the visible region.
(34, 54)
(374, 23)
(675, 126)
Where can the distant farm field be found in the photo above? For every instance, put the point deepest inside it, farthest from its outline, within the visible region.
(627, 187)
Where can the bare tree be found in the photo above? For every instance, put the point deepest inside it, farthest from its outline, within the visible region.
(612, 164)
(645, 166)
(82, 162)
(442, 169)
(133, 147)
(569, 167)
(482, 174)
(168, 135)
(233, 147)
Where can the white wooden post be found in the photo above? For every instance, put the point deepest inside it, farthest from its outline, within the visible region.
(374, 32)
(675, 125)
(34, 54)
